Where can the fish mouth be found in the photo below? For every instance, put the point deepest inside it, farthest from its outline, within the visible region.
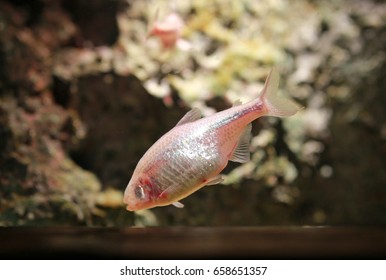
(128, 208)
(133, 207)
(136, 206)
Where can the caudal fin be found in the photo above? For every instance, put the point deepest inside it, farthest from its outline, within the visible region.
(277, 106)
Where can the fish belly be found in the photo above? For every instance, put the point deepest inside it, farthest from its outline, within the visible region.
(190, 162)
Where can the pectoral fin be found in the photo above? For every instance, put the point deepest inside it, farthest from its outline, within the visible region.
(178, 204)
(241, 153)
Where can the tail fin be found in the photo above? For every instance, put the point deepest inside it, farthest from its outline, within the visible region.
(277, 106)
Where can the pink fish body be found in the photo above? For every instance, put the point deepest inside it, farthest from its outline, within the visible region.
(168, 30)
(196, 150)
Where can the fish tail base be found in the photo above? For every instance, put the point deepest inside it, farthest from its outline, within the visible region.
(277, 106)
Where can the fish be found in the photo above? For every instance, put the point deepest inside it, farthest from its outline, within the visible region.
(194, 152)
(167, 30)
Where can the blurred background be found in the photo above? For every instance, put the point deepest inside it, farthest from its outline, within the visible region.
(84, 93)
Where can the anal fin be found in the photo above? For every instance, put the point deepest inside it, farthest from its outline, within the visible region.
(241, 153)
(215, 180)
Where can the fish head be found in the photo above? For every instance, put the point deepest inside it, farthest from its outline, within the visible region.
(140, 193)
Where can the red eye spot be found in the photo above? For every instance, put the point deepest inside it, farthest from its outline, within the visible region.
(150, 188)
(139, 192)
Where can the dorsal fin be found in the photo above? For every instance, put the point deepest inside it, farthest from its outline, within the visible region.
(241, 153)
(190, 116)
(237, 103)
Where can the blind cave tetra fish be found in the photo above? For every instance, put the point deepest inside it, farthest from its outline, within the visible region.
(196, 150)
